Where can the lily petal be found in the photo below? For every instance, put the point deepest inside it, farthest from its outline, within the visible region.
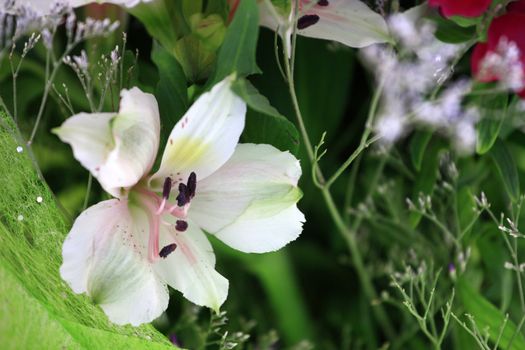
(190, 269)
(250, 202)
(104, 256)
(118, 149)
(350, 22)
(205, 137)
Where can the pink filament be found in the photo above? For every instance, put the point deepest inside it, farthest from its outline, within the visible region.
(155, 207)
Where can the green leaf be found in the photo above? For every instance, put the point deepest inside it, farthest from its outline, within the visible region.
(171, 91)
(39, 310)
(507, 169)
(418, 146)
(427, 177)
(493, 110)
(487, 316)
(237, 53)
(163, 20)
(264, 123)
(450, 32)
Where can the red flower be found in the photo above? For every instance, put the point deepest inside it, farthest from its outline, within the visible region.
(509, 27)
(465, 8)
(516, 6)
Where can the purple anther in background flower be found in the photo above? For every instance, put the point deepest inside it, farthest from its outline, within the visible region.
(307, 21)
(167, 250)
(181, 225)
(323, 3)
(167, 188)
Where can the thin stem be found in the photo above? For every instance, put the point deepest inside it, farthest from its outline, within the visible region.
(349, 236)
(88, 191)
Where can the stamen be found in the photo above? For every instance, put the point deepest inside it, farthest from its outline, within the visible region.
(323, 3)
(187, 191)
(182, 198)
(181, 225)
(167, 250)
(192, 184)
(307, 21)
(167, 188)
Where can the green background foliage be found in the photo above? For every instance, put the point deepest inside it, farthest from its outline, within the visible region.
(308, 293)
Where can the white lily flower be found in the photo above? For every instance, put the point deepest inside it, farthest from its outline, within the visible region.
(350, 22)
(124, 251)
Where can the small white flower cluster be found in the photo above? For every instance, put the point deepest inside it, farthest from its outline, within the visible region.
(504, 64)
(410, 78)
(78, 63)
(18, 19)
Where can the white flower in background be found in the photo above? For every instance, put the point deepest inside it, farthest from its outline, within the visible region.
(408, 80)
(124, 251)
(350, 22)
(45, 6)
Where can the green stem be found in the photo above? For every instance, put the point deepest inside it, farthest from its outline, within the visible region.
(349, 236)
(365, 142)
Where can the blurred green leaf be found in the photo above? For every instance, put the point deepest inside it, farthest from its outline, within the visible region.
(493, 110)
(427, 177)
(264, 123)
(450, 32)
(237, 53)
(163, 20)
(418, 146)
(507, 169)
(39, 310)
(171, 91)
(488, 317)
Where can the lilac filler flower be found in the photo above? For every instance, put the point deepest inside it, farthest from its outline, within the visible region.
(124, 251)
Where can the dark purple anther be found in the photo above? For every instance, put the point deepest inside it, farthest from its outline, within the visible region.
(323, 3)
(181, 225)
(167, 188)
(187, 191)
(182, 198)
(167, 250)
(307, 21)
(192, 184)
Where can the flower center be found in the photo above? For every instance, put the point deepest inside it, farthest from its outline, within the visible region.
(157, 207)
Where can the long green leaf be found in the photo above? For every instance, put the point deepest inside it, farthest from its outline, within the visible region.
(237, 54)
(507, 169)
(171, 91)
(264, 123)
(488, 317)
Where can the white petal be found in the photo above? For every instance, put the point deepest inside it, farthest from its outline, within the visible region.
(190, 269)
(277, 18)
(117, 149)
(350, 22)
(250, 202)
(205, 137)
(104, 256)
